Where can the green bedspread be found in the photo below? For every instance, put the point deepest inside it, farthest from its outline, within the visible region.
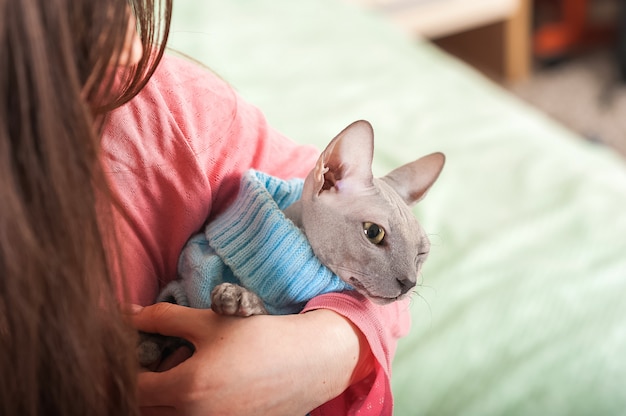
(521, 308)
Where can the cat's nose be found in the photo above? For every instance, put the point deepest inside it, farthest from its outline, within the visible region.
(407, 283)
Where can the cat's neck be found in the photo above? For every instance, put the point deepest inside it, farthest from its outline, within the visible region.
(294, 213)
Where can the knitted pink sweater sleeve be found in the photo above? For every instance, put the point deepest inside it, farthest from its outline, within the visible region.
(174, 156)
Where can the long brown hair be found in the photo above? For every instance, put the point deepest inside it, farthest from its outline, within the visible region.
(65, 348)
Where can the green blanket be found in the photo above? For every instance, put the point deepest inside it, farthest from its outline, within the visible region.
(520, 311)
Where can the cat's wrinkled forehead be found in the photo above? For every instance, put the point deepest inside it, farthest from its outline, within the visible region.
(394, 201)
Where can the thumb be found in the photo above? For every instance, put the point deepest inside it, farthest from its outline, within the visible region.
(168, 319)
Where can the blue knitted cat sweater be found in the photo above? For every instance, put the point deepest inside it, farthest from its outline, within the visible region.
(254, 245)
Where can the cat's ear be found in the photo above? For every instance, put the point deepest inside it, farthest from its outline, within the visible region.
(414, 179)
(347, 160)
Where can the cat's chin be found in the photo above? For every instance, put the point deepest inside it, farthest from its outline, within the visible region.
(379, 300)
(383, 301)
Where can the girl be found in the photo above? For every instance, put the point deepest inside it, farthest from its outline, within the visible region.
(111, 157)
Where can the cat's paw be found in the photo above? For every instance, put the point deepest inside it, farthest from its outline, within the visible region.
(152, 349)
(235, 300)
(148, 350)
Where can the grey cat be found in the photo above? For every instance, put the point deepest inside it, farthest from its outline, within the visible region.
(360, 227)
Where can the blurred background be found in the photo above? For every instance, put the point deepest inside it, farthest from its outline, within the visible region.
(566, 57)
(520, 309)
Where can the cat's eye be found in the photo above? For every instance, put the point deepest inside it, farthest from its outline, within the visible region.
(374, 232)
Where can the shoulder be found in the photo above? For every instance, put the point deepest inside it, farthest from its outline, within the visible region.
(182, 76)
(182, 100)
(183, 111)
(182, 84)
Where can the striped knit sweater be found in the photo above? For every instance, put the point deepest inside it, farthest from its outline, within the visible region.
(254, 245)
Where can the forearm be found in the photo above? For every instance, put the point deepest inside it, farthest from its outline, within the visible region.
(320, 353)
(339, 352)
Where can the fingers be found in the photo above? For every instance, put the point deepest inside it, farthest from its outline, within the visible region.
(177, 357)
(155, 391)
(169, 319)
(161, 392)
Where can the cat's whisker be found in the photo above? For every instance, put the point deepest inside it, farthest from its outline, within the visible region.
(414, 293)
(439, 239)
(420, 278)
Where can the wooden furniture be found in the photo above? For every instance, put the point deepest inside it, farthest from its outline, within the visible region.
(492, 35)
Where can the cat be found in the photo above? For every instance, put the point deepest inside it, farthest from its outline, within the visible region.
(360, 227)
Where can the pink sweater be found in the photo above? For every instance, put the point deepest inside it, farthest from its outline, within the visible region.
(175, 155)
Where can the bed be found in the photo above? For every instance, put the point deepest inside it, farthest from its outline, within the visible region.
(520, 310)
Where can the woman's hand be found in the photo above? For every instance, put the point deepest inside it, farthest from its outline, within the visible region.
(278, 365)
